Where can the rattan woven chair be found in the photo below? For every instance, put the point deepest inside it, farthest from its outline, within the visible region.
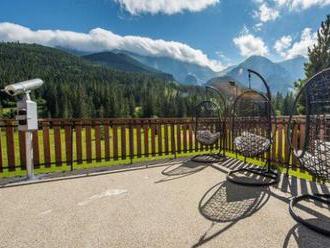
(253, 132)
(314, 156)
(209, 127)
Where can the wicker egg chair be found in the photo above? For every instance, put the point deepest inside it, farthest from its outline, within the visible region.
(314, 156)
(209, 127)
(253, 132)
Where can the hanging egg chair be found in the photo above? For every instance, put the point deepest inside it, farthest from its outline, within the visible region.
(252, 133)
(314, 156)
(209, 127)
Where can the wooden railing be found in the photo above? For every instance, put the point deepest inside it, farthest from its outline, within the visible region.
(60, 142)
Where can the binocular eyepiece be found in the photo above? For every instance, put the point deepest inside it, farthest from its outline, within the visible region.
(23, 87)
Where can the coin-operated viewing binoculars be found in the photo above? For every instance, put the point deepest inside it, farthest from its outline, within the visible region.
(27, 115)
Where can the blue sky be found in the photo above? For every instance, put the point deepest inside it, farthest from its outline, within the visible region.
(214, 33)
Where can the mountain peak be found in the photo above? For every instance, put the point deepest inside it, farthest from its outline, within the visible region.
(257, 59)
(280, 76)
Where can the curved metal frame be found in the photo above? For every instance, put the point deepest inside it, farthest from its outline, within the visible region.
(268, 172)
(223, 99)
(323, 198)
(215, 157)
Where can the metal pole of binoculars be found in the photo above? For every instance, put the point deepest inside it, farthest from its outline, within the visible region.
(29, 147)
(29, 155)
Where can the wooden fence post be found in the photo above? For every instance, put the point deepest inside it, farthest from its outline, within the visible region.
(106, 140)
(10, 145)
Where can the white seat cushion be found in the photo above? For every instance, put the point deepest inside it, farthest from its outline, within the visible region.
(319, 162)
(206, 137)
(250, 144)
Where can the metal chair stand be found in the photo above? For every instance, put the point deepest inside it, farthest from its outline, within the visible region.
(322, 198)
(267, 173)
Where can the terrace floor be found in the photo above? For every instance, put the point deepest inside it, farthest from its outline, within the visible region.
(192, 207)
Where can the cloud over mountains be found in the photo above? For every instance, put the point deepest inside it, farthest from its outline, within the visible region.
(168, 7)
(99, 39)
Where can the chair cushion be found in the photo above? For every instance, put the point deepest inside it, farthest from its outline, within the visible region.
(250, 144)
(319, 162)
(323, 147)
(206, 137)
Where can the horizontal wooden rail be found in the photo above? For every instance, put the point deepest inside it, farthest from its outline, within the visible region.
(66, 142)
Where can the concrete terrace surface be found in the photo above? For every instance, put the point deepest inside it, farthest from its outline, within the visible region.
(179, 204)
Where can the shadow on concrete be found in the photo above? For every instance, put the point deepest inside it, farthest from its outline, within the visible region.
(303, 237)
(286, 184)
(228, 203)
(209, 158)
(181, 169)
(244, 177)
(314, 212)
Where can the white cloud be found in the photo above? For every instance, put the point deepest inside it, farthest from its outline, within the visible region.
(249, 44)
(99, 39)
(302, 4)
(168, 7)
(282, 44)
(300, 47)
(266, 13)
(258, 26)
(226, 60)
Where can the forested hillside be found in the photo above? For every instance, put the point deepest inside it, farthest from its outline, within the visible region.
(75, 87)
(124, 62)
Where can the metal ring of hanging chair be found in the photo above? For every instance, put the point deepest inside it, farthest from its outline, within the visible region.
(314, 155)
(252, 132)
(208, 112)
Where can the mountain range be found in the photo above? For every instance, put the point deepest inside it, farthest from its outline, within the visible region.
(279, 75)
(183, 72)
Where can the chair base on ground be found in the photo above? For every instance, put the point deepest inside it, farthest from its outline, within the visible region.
(208, 158)
(324, 198)
(266, 173)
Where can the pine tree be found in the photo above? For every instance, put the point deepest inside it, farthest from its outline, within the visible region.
(287, 104)
(278, 103)
(318, 59)
(319, 54)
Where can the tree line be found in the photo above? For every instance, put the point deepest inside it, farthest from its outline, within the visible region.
(77, 88)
